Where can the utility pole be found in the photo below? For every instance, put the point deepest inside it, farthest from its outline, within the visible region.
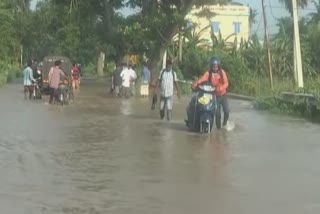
(297, 49)
(267, 41)
(295, 70)
(180, 44)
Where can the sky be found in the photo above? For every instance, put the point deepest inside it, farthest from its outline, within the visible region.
(274, 11)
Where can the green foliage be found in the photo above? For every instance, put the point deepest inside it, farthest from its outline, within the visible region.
(8, 72)
(81, 29)
(90, 69)
(195, 60)
(3, 73)
(13, 72)
(110, 67)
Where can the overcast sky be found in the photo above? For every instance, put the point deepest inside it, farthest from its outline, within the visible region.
(274, 11)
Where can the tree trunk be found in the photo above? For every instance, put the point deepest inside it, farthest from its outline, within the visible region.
(155, 64)
(107, 19)
(166, 37)
(100, 64)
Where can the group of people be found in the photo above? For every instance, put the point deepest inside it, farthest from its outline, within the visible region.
(216, 75)
(123, 80)
(123, 83)
(32, 76)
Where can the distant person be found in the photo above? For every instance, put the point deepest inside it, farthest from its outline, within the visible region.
(144, 90)
(55, 74)
(28, 80)
(34, 67)
(75, 73)
(166, 82)
(80, 72)
(133, 79)
(117, 80)
(127, 77)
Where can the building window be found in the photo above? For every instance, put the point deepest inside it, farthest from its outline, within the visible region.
(237, 27)
(215, 26)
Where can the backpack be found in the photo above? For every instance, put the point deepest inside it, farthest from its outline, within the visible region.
(161, 75)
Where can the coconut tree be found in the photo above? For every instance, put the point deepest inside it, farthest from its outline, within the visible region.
(252, 18)
(315, 16)
(288, 4)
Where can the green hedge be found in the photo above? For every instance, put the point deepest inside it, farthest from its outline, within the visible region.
(8, 72)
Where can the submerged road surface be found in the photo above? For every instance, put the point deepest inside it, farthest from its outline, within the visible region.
(106, 155)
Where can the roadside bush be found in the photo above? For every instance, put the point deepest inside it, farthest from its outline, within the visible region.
(3, 73)
(90, 69)
(8, 72)
(195, 61)
(13, 72)
(110, 67)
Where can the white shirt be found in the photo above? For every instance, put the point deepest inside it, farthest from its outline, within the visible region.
(167, 82)
(133, 73)
(126, 76)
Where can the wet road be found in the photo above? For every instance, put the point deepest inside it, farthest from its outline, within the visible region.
(105, 155)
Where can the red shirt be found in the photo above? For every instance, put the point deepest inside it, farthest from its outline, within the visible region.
(75, 73)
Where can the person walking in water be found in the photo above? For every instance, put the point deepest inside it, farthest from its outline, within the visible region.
(55, 74)
(166, 82)
(144, 90)
(28, 80)
(133, 80)
(75, 72)
(117, 80)
(218, 78)
(127, 77)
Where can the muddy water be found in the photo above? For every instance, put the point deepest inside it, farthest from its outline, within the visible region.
(106, 155)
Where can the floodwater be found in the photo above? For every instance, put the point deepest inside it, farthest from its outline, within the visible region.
(104, 155)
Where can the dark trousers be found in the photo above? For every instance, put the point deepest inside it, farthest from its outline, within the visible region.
(222, 101)
(125, 92)
(28, 89)
(53, 94)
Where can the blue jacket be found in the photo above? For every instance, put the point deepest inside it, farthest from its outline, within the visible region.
(28, 76)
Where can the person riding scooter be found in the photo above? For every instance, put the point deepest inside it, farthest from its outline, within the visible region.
(218, 78)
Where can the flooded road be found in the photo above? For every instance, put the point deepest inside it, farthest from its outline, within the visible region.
(104, 155)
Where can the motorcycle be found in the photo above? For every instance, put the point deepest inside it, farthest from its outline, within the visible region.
(65, 93)
(36, 93)
(202, 108)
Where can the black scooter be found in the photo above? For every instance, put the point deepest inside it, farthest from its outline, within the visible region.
(202, 108)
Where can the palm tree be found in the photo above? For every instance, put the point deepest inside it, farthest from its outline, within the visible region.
(288, 4)
(315, 17)
(252, 18)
